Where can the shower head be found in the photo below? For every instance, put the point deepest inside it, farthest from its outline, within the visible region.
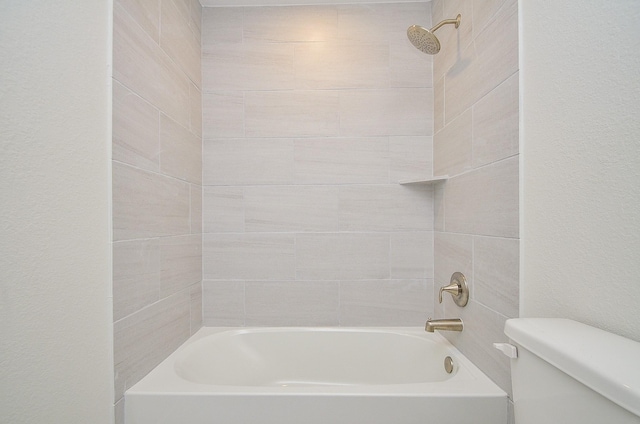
(425, 40)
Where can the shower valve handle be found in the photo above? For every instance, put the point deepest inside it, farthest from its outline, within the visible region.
(454, 289)
(457, 288)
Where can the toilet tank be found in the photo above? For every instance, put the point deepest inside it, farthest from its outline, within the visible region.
(567, 372)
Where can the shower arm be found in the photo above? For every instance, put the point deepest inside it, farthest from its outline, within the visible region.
(455, 22)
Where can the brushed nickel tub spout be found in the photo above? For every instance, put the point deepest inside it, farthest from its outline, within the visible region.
(454, 324)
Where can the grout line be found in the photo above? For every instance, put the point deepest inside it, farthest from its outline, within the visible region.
(158, 173)
(478, 235)
(469, 171)
(159, 238)
(298, 232)
(158, 301)
(473, 270)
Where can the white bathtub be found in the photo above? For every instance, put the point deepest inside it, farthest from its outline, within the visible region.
(315, 376)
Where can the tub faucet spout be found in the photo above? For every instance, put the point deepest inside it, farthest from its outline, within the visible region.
(454, 324)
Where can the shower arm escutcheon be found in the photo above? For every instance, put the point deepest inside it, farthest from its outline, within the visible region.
(457, 288)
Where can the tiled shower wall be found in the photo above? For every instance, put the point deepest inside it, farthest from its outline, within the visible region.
(157, 157)
(312, 114)
(476, 144)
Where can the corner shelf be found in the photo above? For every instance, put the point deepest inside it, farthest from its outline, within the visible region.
(427, 180)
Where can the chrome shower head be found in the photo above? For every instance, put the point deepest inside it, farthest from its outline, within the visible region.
(425, 40)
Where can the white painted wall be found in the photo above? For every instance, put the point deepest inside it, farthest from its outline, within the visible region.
(55, 306)
(580, 144)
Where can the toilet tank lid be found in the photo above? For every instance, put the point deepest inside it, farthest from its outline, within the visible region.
(607, 363)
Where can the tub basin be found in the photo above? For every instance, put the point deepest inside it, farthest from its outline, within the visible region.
(315, 376)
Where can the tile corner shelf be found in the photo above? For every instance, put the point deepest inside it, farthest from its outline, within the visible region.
(426, 180)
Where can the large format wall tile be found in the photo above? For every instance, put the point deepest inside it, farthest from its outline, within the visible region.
(346, 65)
(452, 146)
(221, 25)
(146, 204)
(497, 274)
(289, 24)
(410, 157)
(223, 303)
(195, 114)
(483, 11)
(179, 40)
(181, 263)
(222, 66)
(180, 151)
(336, 256)
(411, 255)
(225, 209)
(402, 302)
(398, 111)
(310, 120)
(196, 209)
(136, 139)
(237, 162)
(385, 302)
(495, 124)
(438, 207)
(249, 256)
(386, 208)
(484, 201)
(291, 303)
(267, 67)
(376, 22)
(350, 160)
(235, 66)
(195, 313)
(489, 60)
(195, 11)
(291, 113)
(453, 253)
(476, 143)
(290, 208)
(157, 177)
(438, 105)
(452, 40)
(222, 114)
(145, 13)
(140, 64)
(136, 276)
(142, 340)
(408, 66)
